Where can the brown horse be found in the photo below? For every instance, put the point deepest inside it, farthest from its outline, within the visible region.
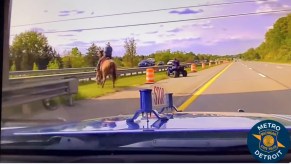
(107, 67)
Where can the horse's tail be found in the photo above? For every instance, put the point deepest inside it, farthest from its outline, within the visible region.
(114, 71)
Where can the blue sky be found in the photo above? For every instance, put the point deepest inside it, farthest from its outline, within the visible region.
(216, 36)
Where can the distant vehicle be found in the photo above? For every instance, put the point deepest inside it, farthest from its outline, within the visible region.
(196, 62)
(161, 63)
(170, 62)
(151, 60)
(145, 63)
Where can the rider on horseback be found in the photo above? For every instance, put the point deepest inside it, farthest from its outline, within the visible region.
(106, 66)
(108, 55)
(108, 51)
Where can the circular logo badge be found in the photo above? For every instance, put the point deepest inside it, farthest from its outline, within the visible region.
(268, 141)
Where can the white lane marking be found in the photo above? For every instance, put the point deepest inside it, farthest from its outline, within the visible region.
(262, 75)
(279, 67)
(289, 65)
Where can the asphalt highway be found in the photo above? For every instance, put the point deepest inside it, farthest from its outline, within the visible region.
(251, 86)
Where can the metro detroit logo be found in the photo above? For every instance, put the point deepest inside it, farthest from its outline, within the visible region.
(268, 141)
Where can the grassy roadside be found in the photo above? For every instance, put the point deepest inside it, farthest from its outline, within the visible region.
(274, 62)
(89, 90)
(92, 90)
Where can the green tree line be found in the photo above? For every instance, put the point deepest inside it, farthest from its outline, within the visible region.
(277, 44)
(166, 55)
(31, 51)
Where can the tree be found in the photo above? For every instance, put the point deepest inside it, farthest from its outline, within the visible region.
(129, 58)
(118, 61)
(167, 55)
(27, 48)
(53, 64)
(43, 60)
(74, 59)
(11, 60)
(164, 55)
(34, 67)
(91, 58)
(66, 60)
(276, 46)
(77, 59)
(13, 68)
(251, 54)
(58, 60)
(201, 57)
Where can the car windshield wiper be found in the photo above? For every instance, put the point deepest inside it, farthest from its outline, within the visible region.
(189, 143)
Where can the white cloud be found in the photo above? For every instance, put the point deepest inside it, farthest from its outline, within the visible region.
(264, 8)
(208, 27)
(269, 27)
(270, 5)
(202, 23)
(265, 1)
(232, 38)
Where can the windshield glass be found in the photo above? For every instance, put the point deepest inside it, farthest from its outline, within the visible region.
(120, 66)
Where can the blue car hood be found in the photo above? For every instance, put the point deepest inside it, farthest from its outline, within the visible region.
(181, 121)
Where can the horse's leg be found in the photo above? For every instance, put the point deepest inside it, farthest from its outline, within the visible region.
(113, 74)
(97, 77)
(103, 82)
(113, 81)
(104, 79)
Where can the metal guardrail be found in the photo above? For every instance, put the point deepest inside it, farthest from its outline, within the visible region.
(16, 74)
(26, 93)
(85, 73)
(49, 72)
(60, 71)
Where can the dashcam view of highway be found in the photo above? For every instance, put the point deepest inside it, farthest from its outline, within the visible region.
(79, 62)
